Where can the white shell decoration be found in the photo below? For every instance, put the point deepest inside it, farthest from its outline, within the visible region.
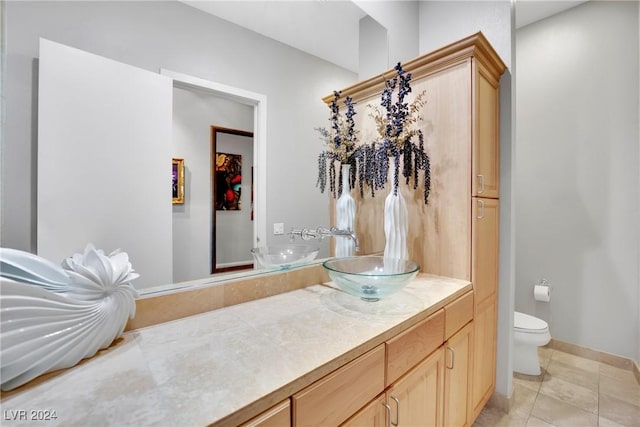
(52, 317)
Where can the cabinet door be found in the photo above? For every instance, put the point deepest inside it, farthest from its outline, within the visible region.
(484, 354)
(457, 381)
(372, 415)
(484, 252)
(486, 146)
(278, 416)
(417, 398)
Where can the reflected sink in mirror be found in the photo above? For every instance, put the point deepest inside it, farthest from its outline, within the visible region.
(371, 277)
(284, 256)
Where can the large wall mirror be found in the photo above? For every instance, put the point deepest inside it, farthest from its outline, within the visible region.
(116, 177)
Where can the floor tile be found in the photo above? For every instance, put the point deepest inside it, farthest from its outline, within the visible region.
(576, 361)
(494, 417)
(562, 414)
(573, 374)
(544, 353)
(619, 411)
(537, 422)
(572, 394)
(606, 422)
(572, 391)
(627, 390)
(523, 401)
(617, 373)
(528, 381)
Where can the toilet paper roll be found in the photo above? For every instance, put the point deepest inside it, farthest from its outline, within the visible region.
(541, 293)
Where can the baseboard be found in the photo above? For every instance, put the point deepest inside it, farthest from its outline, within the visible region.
(501, 401)
(599, 356)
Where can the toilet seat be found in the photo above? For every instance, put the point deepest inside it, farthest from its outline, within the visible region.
(525, 323)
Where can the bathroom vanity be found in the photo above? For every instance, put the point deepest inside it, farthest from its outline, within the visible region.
(311, 356)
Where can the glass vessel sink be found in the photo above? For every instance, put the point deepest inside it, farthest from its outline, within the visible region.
(371, 277)
(284, 256)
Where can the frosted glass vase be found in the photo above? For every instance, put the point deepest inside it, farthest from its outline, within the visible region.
(396, 223)
(345, 216)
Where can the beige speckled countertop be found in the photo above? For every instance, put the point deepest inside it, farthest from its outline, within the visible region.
(227, 365)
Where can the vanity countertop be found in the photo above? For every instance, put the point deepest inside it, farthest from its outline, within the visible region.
(226, 365)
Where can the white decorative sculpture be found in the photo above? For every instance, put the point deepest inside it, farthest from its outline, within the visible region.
(51, 318)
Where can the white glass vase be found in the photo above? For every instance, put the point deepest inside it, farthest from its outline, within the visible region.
(345, 216)
(396, 223)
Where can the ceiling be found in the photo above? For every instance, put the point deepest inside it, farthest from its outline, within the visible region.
(303, 23)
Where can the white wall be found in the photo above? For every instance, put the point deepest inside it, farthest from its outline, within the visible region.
(400, 18)
(577, 175)
(373, 51)
(171, 35)
(194, 112)
(442, 23)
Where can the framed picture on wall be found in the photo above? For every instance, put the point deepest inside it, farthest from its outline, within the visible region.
(177, 181)
(228, 181)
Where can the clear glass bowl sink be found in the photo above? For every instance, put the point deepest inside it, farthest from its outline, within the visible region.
(284, 256)
(371, 277)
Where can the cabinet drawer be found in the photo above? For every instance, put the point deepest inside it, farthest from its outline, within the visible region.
(410, 347)
(277, 416)
(457, 314)
(333, 399)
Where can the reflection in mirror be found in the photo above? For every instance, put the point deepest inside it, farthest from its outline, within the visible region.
(232, 195)
(207, 240)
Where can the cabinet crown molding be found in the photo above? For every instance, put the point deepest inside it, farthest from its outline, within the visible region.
(476, 46)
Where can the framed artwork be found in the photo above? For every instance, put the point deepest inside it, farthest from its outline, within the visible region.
(177, 181)
(228, 177)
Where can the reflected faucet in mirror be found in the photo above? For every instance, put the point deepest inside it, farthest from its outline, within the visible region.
(322, 232)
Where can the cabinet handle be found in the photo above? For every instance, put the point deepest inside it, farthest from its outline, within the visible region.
(397, 411)
(388, 414)
(453, 357)
(481, 179)
(480, 209)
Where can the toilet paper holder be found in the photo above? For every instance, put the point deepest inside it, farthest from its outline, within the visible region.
(542, 291)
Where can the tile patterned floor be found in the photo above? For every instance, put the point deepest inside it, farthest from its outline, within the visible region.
(571, 392)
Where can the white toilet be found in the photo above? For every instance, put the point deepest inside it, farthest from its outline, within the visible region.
(529, 333)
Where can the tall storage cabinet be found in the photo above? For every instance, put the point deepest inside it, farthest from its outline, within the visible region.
(456, 233)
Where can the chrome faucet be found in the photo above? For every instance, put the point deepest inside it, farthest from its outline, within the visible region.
(322, 232)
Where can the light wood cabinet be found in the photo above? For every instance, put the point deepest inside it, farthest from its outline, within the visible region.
(278, 416)
(372, 415)
(457, 378)
(484, 354)
(336, 397)
(417, 398)
(484, 254)
(485, 132)
(411, 346)
(456, 234)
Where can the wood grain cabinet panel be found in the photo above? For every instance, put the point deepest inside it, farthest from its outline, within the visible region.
(336, 397)
(417, 399)
(278, 416)
(411, 346)
(484, 354)
(484, 258)
(457, 314)
(372, 415)
(457, 378)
